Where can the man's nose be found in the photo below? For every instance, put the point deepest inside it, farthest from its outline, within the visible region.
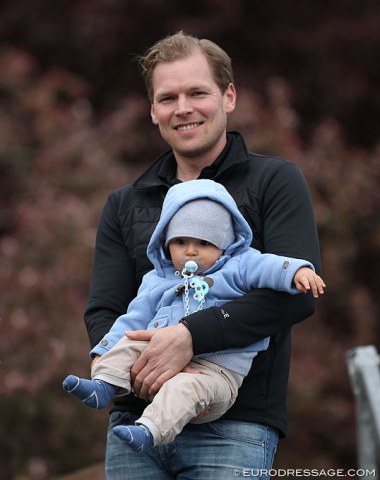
(184, 106)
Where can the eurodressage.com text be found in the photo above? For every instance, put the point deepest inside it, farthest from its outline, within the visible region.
(305, 472)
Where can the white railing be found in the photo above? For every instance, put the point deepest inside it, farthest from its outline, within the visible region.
(363, 368)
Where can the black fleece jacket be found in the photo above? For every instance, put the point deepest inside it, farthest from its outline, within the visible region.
(273, 196)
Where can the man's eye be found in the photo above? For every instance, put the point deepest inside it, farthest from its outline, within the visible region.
(166, 99)
(198, 94)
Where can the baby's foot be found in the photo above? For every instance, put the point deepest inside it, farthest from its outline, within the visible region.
(138, 437)
(93, 393)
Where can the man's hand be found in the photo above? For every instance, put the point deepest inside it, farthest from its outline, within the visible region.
(169, 351)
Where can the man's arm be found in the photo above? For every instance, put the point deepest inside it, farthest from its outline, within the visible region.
(112, 284)
(288, 229)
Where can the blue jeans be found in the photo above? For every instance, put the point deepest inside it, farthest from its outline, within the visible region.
(219, 450)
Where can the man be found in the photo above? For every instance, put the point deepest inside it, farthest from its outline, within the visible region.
(190, 86)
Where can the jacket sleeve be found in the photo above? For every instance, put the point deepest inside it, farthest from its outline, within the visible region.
(140, 312)
(288, 228)
(113, 284)
(265, 270)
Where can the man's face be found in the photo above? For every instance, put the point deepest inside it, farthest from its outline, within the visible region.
(189, 108)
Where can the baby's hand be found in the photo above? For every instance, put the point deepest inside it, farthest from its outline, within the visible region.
(306, 279)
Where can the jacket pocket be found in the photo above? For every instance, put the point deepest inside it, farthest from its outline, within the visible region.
(161, 319)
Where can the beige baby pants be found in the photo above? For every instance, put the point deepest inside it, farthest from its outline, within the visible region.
(180, 399)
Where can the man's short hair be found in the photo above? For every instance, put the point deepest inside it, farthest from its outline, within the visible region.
(181, 45)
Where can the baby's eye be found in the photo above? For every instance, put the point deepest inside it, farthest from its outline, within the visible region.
(179, 241)
(205, 243)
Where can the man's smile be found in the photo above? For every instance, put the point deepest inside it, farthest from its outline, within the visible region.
(189, 126)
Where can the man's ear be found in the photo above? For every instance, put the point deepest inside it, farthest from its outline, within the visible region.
(153, 114)
(230, 98)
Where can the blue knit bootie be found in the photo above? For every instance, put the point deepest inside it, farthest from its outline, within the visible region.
(138, 437)
(93, 393)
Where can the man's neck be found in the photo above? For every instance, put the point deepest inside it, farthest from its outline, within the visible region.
(191, 168)
(188, 171)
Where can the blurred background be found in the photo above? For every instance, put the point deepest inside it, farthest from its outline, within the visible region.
(74, 125)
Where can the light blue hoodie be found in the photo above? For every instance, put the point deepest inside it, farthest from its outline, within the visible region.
(239, 270)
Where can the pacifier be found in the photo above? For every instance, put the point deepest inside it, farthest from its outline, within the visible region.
(190, 267)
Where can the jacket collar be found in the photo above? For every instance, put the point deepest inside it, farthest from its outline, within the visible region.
(163, 170)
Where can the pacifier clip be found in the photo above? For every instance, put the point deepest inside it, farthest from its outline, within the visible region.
(201, 287)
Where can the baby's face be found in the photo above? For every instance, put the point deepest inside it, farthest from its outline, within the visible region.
(183, 249)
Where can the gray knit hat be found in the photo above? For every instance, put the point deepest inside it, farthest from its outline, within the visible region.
(203, 219)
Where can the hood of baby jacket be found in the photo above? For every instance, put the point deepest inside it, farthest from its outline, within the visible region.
(183, 193)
